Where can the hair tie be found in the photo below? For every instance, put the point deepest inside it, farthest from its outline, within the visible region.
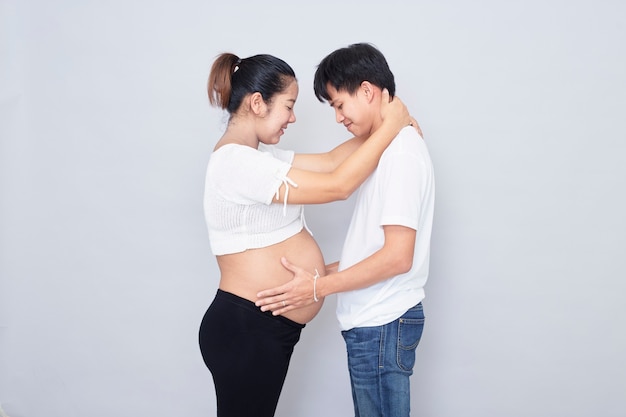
(237, 65)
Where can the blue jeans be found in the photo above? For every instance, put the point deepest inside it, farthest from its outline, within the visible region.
(380, 361)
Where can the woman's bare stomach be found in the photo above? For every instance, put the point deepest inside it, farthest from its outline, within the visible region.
(246, 273)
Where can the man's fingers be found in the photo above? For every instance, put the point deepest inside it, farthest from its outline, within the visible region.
(272, 306)
(272, 292)
(268, 293)
(282, 311)
(277, 307)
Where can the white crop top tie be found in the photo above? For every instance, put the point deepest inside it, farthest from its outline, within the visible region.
(240, 184)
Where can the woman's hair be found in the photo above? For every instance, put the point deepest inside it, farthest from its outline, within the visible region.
(232, 78)
(346, 68)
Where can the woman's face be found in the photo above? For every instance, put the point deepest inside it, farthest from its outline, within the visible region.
(279, 114)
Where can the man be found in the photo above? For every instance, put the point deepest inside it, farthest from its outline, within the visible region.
(380, 278)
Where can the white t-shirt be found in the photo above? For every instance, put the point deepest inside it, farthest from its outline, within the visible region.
(401, 191)
(241, 183)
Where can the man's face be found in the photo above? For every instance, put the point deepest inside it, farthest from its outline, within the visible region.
(353, 111)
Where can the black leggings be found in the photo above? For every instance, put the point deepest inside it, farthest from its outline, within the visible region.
(248, 353)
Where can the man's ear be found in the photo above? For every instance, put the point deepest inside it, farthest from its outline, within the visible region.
(257, 104)
(368, 90)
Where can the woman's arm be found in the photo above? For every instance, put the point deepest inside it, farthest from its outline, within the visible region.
(327, 161)
(340, 183)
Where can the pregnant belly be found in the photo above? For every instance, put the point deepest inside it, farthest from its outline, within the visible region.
(247, 273)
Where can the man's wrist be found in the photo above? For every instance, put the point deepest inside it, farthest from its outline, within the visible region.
(315, 278)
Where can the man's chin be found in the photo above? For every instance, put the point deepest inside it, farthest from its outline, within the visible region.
(358, 134)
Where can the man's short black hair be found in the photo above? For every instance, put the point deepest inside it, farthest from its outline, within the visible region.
(346, 68)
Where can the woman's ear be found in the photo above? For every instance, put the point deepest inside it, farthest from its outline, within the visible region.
(257, 104)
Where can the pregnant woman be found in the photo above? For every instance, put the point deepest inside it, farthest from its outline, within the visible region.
(253, 207)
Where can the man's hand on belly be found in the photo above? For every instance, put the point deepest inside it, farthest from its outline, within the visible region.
(297, 293)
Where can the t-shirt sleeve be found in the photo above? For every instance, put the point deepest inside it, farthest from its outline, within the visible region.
(282, 154)
(247, 176)
(404, 183)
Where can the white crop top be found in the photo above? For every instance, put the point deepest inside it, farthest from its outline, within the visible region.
(240, 184)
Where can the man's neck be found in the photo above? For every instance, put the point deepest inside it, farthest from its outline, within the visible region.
(376, 119)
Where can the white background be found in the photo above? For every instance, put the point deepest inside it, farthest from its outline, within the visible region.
(105, 266)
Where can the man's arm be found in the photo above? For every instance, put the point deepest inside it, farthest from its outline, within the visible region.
(394, 258)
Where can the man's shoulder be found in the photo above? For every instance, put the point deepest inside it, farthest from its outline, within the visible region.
(408, 142)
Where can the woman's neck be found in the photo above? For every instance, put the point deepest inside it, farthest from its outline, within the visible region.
(239, 132)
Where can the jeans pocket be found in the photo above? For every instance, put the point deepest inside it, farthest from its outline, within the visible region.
(409, 335)
(363, 347)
